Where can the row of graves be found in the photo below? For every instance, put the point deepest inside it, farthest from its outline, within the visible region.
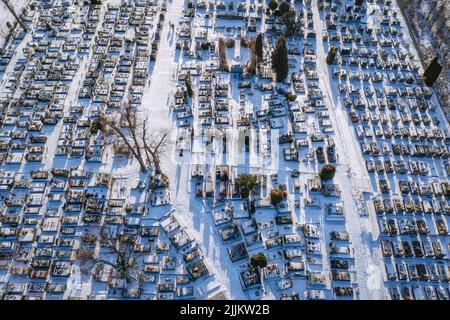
(309, 135)
(404, 140)
(175, 266)
(224, 18)
(16, 36)
(75, 63)
(328, 238)
(38, 87)
(118, 71)
(56, 215)
(303, 26)
(306, 260)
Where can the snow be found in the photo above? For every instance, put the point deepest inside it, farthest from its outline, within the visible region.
(6, 16)
(195, 214)
(351, 172)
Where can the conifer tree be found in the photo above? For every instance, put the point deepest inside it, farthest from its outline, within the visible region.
(432, 72)
(259, 46)
(280, 59)
(273, 5)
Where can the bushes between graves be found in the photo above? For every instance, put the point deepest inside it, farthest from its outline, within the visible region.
(251, 64)
(205, 45)
(230, 43)
(96, 126)
(432, 72)
(291, 96)
(283, 8)
(276, 196)
(327, 172)
(259, 46)
(273, 5)
(331, 55)
(258, 260)
(245, 42)
(246, 183)
(187, 82)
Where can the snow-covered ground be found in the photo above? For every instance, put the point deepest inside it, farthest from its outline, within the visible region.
(310, 230)
(6, 16)
(195, 215)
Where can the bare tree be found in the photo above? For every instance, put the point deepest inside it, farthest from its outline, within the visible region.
(123, 129)
(126, 264)
(146, 145)
(154, 145)
(3, 34)
(13, 12)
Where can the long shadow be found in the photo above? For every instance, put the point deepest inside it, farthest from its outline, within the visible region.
(178, 175)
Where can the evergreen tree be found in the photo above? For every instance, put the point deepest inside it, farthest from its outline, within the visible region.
(187, 82)
(258, 260)
(331, 55)
(252, 207)
(259, 46)
(432, 72)
(280, 59)
(289, 20)
(284, 7)
(246, 183)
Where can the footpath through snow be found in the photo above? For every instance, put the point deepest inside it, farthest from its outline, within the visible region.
(156, 106)
(189, 211)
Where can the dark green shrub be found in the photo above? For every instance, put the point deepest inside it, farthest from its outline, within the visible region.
(273, 5)
(258, 260)
(259, 46)
(291, 96)
(331, 55)
(280, 59)
(276, 196)
(96, 126)
(246, 183)
(205, 45)
(187, 82)
(327, 172)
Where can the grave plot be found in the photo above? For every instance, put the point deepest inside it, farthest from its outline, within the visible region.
(377, 79)
(252, 149)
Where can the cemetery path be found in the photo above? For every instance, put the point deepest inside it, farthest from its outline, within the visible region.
(156, 96)
(5, 15)
(192, 215)
(350, 174)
